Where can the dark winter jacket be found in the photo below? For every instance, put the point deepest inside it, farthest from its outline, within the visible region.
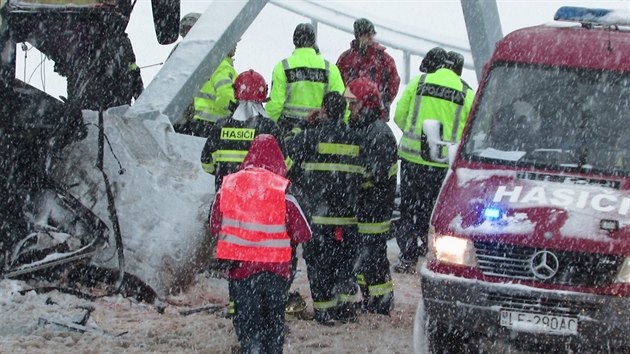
(228, 142)
(265, 153)
(372, 63)
(329, 158)
(378, 190)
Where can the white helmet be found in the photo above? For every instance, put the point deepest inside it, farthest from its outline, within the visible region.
(187, 22)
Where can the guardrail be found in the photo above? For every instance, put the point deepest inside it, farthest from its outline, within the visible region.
(409, 44)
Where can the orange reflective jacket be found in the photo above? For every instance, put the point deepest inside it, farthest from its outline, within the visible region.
(253, 226)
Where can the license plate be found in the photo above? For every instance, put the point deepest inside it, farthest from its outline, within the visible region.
(539, 323)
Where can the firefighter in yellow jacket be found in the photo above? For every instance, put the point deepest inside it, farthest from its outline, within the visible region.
(300, 82)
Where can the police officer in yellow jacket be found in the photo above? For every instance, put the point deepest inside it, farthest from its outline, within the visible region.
(216, 99)
(300, 81)
(439, 94)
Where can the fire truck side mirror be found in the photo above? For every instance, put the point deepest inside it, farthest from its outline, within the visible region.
(166, 20)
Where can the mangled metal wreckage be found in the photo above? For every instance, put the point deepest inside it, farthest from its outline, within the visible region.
(45, 231)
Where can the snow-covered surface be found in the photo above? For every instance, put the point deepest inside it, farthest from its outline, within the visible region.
(120, 325)
(162, 197)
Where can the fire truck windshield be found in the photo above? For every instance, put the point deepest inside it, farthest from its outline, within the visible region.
(553, 118)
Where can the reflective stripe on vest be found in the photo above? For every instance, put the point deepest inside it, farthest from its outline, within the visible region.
(229, 155)
(393, 170)
(208, 167)
(253, 206)
(338, 149)
(410, 142)
(381, 289)
(347, 298)
(254, 227)
(302, 74)
(328, 167)
(374, 227)
(266, 243)
(223, 83)
(324, 305)
(207, 117)
(331, 220)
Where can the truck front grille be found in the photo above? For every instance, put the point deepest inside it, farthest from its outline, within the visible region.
(574, 268)
(537, 304)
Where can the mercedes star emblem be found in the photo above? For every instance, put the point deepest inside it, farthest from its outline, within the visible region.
(544, 265)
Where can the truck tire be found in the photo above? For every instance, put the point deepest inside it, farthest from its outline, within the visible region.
(430, 336)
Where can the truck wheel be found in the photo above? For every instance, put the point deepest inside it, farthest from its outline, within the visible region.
(420, 338)
(430, 336)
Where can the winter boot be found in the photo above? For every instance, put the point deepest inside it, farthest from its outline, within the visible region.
(347, 312)
(405, 267)
(325, 317)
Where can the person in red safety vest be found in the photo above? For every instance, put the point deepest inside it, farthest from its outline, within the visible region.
(256, 223)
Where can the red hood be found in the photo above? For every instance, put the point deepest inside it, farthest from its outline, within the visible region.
(265, 153)
(371, 49)
(537, 209)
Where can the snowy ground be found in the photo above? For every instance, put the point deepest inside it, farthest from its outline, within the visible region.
(120, 325)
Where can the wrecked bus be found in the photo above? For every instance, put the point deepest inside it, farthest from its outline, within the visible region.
(529, 240)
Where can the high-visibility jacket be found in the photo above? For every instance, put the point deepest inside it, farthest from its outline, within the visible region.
(330, 160)
(378, 188)
(299, 84)
(213, 100)
(253, 227)
(442, 96)
(228, 142)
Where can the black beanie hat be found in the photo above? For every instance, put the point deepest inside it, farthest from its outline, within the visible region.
(363, 26)
(435, 59)
(304, 35)
(455, 62)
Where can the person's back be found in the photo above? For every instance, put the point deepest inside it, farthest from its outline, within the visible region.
(438, 94)
(300, 81)
(230, 138)
(257, 225)
(376, 196)
(329, 156)
(366, 58)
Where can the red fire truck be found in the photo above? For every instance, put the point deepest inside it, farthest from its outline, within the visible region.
(530, 236)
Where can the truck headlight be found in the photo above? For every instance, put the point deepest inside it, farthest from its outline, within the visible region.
(624, 273)
(454, 250)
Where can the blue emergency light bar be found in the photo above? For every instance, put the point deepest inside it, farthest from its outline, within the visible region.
(592, 16)
(492, 213)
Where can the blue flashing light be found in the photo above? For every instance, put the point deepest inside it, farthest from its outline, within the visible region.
(492, 213)
(590, 16)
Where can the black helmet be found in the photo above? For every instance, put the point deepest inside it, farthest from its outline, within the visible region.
(455, 62)
(435, 59)
(304, 35)
(363, 26)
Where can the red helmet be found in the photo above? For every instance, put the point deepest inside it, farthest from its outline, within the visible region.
(366, 91)
(250, 86)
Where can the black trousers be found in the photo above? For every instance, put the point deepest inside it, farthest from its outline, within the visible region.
(331, 267)
(419, 188)
(259, 304)
(374, 278)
